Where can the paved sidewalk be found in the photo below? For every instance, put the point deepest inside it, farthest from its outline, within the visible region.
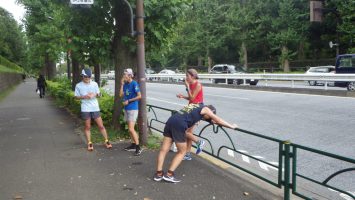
(43, 158)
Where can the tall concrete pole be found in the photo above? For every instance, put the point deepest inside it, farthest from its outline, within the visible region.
(143, 128)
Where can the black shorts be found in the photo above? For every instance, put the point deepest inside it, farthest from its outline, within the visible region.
(90, 115)
(175, 128)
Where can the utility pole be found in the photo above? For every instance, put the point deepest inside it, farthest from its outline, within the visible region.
(143, 128)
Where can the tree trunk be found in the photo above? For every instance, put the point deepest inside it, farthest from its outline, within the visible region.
(209, 60)
(76, 72)
(123, 57)
(199, 61)
(301, 55)
(284, 59)
(244, 56)
(97, 72)
(50, 67)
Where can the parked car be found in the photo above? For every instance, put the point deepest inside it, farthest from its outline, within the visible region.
(320, 70)
(149, 71)
(111, 75)
(230, 69)
(170, 72)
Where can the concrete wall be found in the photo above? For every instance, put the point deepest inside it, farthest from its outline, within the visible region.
(9, 79)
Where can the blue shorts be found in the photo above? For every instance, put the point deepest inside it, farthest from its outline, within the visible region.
(175, 128)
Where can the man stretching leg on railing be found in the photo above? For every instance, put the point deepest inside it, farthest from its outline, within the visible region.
(175, 131)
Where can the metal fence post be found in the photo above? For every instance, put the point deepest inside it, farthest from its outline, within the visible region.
(287, 170)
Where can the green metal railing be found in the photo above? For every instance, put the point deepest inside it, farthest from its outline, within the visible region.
(295, 147)
(287, 156)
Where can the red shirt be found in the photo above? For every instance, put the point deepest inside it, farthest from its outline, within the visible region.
(199, 97)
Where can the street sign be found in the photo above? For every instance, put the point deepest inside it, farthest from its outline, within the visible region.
(82, 2)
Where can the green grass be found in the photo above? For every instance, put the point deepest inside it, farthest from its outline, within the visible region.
(113, 135)
(153, 142)
(6, 92)
(5, 69)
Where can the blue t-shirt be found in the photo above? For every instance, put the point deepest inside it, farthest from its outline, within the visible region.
(82, 89)
(130, 91)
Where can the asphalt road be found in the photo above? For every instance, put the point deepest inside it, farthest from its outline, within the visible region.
(321, 122)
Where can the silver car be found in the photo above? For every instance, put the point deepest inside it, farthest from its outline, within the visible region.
(320, 70)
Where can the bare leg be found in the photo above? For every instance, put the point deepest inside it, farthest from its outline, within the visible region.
(164, 149)
(179, 156)
(101, 127)
(87, 130)
(132, 132)
(190, 137)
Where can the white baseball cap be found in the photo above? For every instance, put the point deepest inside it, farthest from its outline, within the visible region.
(128, 71)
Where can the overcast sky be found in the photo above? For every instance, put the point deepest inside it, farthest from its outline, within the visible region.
(16, 10)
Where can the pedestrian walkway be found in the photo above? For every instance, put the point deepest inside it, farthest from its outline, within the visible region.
(42, 157)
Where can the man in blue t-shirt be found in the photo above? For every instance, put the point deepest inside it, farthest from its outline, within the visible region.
(131, 94)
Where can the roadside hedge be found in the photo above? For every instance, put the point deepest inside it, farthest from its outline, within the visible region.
(60, 89)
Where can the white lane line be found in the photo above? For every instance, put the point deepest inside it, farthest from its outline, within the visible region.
(230, 153)
(263, 166)
(155, 99)
(230, 97)
(347, 197)
(245, 158)
(259, 157)
(272, 167)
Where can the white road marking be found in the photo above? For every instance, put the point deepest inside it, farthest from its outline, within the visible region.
(230, 153)
(155, 99)
(272, 167)
(347, 197)
(230, 97)
(259, 157)
(263, 166)
(332, 190)
(245, 158)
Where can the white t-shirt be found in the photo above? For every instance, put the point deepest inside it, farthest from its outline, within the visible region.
(82, 89)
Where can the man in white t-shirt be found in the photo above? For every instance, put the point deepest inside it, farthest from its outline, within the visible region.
(87, 91)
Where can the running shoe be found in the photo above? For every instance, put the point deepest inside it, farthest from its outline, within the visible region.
(171, 179)
(108, 144)
(138, 151)
(158, 177)
(200, 145)
(90, 146)
(132, 147)
(187, 156)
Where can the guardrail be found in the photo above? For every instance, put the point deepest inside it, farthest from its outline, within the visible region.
(287, 156)
(328, 78)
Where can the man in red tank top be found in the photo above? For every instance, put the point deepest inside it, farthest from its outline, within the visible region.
(194, 96)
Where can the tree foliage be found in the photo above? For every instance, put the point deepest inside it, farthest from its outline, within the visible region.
(12, 45)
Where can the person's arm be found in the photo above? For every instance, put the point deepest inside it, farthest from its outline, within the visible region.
(216, 119)
(121, 88)
(78, 95)
(138, 97)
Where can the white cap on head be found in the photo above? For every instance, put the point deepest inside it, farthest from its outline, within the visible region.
(129, 71)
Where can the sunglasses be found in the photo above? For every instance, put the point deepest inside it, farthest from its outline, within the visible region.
(86, 76)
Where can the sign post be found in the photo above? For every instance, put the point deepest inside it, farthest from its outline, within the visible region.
(82, 2)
